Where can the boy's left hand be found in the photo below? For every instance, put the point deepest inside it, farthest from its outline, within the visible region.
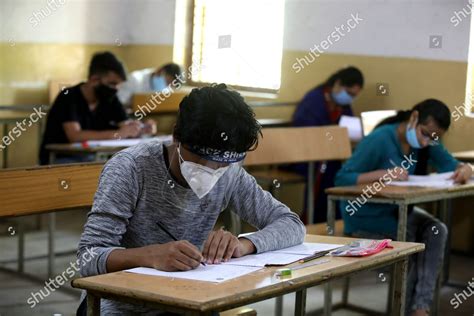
(221, 245)
(462, 174)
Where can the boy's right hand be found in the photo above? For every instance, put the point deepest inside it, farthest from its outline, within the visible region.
(173, 256)
(398, 174)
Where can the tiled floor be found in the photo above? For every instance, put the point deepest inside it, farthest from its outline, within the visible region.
(366, 289)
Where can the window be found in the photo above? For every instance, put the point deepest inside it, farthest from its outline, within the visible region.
(238, 42)
(468, 105)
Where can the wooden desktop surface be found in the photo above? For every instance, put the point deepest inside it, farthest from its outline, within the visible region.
(256, 286)
(396, 192)
(466, 156)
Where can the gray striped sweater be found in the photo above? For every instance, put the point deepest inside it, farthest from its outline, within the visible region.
(136, 190)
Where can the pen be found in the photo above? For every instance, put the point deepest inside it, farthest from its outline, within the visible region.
(393, 164)
(315, 256)
(171, 235)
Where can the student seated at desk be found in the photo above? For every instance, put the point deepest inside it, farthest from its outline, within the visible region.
(148, 80)
(398, 147)
(151, 193)
(324, 105)
(91, 111)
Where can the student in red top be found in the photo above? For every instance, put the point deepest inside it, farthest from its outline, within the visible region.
(322, 106)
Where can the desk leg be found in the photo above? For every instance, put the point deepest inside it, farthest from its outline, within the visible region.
(300, 303)
(279, 306)
(327, 299)
(93, 305)
(399, 287)
(402, 222)
(52, 158)
(310, 195)
(51, 230)
(331, 216)
(331, 222)
(445, 215)
(21, 246)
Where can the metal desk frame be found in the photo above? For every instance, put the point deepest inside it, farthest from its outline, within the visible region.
(403, 203)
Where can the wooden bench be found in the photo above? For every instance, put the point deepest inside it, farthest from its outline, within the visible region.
(50, 189)
(299, 144)
(46, 189)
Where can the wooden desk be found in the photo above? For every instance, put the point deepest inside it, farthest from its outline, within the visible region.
(101, 153)
(465, 156)
(203, 298)
(401, 196)
(269, 122)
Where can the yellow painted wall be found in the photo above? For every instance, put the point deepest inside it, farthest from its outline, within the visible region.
(409, 80)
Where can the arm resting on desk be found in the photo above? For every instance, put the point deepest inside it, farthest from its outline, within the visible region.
(278, 226)
(75, 134)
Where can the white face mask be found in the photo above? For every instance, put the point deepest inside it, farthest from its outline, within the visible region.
(201, 179)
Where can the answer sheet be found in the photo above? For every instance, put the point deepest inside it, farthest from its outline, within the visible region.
(236, 267)
(125, 142)
(215, 273)
(353, 125)
(435, 180)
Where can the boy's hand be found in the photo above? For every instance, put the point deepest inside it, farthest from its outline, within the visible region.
(221, 245)
(462, 174)
(172, 256)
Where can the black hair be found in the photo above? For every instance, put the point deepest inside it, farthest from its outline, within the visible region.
(348, 76)
(105, 62)
(218, 118)
(429, 108)
(171, 69)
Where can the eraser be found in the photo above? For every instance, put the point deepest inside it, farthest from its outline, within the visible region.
(283, 273)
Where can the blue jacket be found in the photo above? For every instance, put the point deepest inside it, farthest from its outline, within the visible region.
(377, 151)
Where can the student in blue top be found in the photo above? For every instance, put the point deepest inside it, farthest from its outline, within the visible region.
(322, 106)
(400, 146)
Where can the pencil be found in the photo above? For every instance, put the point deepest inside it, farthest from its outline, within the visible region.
(171, 235)
(315, 256)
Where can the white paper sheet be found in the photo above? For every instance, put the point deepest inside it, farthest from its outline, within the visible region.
(240, 266)
(435, 180)
(353, 125)
(308, 248)
(215, 273)
(126, 142)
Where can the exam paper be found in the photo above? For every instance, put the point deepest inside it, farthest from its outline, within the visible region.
(126, 142)
(215, 273)
(435, 180)
(353, 125)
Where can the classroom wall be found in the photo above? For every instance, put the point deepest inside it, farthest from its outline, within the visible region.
(390, 45)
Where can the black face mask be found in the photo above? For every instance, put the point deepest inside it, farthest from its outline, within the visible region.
(104, 93)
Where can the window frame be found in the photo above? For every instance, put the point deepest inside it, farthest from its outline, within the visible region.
(188, 57)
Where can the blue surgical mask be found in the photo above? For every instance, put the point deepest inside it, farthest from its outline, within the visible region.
(158, 83)
(412, 140)
(342, 97)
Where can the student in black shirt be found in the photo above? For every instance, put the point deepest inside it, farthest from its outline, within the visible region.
(91, 110)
